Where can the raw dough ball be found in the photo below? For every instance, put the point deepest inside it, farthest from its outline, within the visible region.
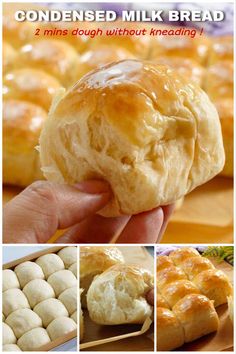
(60, 326)
(28, 271)
(9, 280)
(12, 300)
(69, 299)
(62, 280)
(73, 269)
(22, 321)
(68, 255)
(11, 348)
(33, 339)
(50, 309)
(50, 263)
(8, 336)
(38, 290)
(74, 316)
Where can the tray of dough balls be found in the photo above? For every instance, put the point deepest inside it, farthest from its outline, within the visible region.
(115, 314)
(194, 302)
(39, 300)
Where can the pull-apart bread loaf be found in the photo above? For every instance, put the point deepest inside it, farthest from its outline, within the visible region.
(152, 135)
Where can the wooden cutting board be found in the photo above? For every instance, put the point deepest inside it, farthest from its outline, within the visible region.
(133, 255)
(206, 215)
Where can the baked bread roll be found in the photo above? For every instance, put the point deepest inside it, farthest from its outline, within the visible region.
(69, 299)
(73, 269)
(194, 265)
(181, 254)
(38, 290)
(225, 108)
(138, 45)
(68, 255)
(22, 321)
(161, 302)
(170, 334)
(93, 261)
(8, 336)
(222, 48)
(164, 262)
(28, 271)
(175, 291)
(186, 68)
(215, 285)
(22, 123)
(30, 85)
(50, 309)
(12, 300)
(117, 296)
(60, 326)
(97, 57)
(9, 280)
(62, 280)
(158, 143)
(9, 56)
(219, 80)
(55, 57)
(181, 46)
(169, 275)
(33, 339)
(197, 316)
(11, 348)
(50, 263)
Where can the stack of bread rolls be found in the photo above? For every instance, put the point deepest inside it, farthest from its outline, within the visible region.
(39, 300)
(189, 288)
(35, 67)
(114, 291)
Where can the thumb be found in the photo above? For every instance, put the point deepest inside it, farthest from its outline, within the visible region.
(35, 214)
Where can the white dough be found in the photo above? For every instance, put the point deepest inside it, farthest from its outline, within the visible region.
(74, 316)
(11, 348)
(9, 280)
(8, 336)
(61, 326)
(50, 263)
(62, 280)
(22, 321)
(33, 339)
(12, 300)
(50, 309)
(38, 290)
(28, 271)
(68, 255)
(73, 269)
(69, 299)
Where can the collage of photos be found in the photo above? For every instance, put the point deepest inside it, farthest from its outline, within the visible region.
(117, 176)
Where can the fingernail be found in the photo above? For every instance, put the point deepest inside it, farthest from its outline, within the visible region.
(93, 187)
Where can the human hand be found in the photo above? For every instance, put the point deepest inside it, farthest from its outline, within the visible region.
(41, 209)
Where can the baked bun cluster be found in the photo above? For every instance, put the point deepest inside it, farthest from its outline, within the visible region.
(116, 291)
(189, 288)
(39, 301)
(34, 67)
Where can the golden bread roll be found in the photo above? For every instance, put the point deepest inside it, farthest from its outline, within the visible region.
(219, 80)
(118, 295)
(167, 142)
(230, 300)
(181, 46)
(225, 108)
(138, 45)
(222, 48)
(93, 261)
(31, 85)
(55, 57)
(9, 57)
(181, 254)
(175, 291)
(197, 316)
(194, 265)
(169, 275)
(170, 334)
(215, 285)
(161, 302)
(164, 262)
(81, 319)
(187, 68)
(99, 56)
(22, 123)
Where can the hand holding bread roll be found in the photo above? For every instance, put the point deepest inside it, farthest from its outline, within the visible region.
(152, 135)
